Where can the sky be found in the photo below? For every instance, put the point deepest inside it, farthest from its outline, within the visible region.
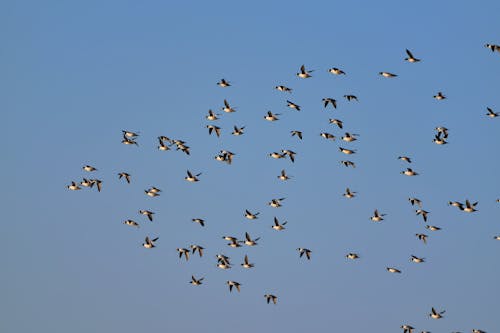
(75, 74)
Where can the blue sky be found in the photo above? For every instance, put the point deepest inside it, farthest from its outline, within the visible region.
(76, 74)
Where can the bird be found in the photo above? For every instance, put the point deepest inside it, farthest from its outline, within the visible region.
(392, 270)
(297, 133)
(246, 263)
(409, 172)
(404, 158)
(73, 187)
(275, 203)
(213, 128)
(417, 259)
(348, 163)
(442, 130)
(124, 175)
(199, 221)
(469, 207)
(195, 282)
(436, 314)
(191, 178)
(249, 241)
(305, 251)
(223, 265)
(439, 96)
(291, 154)
(98, 184)
(351, 97)
(151, 193)
(377, 217)
(304, 74)
(238, 130)
(270, 298)
(457, 204)
(87, 183)
(475, 330)
(129, 134)
(492, 114)
(222, 258)
(328, 100)
(235, 243)
(212, 116)
(127, 141)
(327, 136)
(432, 228)
(352, 256)
(438, 140)
(422, 237)
(223, 83)
(496, 237)
(147, 213)
(292, 105)
(407, 329)
(149, 243)
(349, 194)
(337, 122)
(415, 201)
(493, 47)
(410, 57)
(162, 146)
(198, 248)
(131, 223)
(283, 88)
(423, 213)
(283, 176)
(348, 137)
(232, 284)
(387, 74)
(251, 216)
(227, 108)
(271, 117)
(347, 151)
(89, 168)
(277, 226)
(277, 155)
(183, 251)
(336, 71)
(225, 156)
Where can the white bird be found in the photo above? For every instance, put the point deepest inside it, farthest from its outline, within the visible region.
(149, 243)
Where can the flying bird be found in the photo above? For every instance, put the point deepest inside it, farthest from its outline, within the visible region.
(410, 57)
(213, 128)
(336, 71)
(277, 226)
(246, 263)
(124, 175)
(270, 298)
(292, 105)
(393, 270)
(337, 122)
(149, 243)
(439, 96)
(377, 217)
(283, 176)
(351, 97)
(195, 282)
(238, 130)
(212, 116)
(305, 251)
(297, 133)
(223, 83)
(227, 108)
(436, 314)
(271, 117)
(492, 114)
(251, 216)
(147, 213)
(191, 178)
(283, 88)
(304, 74)
(73, 186)
(387, 74)
(232, 284)
(199, 221)
(331, 101)
(349, 194)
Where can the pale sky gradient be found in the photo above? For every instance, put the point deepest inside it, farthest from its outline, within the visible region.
(74, 74)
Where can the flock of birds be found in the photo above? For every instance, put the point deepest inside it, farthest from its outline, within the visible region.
(224, 262)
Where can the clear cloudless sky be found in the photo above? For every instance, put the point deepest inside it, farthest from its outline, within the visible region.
(74, 74)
